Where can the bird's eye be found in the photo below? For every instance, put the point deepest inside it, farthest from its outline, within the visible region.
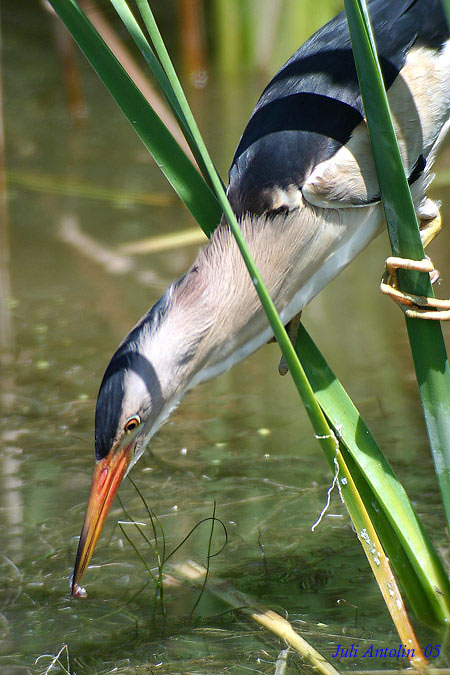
(132, 423)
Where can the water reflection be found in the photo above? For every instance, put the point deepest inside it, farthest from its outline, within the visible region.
(241, 440)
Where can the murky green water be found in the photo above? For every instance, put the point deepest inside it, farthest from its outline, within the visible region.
(242, 441)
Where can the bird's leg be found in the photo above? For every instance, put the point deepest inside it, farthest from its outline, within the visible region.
(430, 221)
(292, 331)
(418, 306)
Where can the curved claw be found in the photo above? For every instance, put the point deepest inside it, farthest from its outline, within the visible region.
(432, 315)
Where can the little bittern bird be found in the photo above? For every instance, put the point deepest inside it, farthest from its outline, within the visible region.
(304, 188)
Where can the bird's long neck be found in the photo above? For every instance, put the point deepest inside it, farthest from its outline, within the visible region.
(214, 318)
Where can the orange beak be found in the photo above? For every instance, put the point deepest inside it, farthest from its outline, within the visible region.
(108, 475)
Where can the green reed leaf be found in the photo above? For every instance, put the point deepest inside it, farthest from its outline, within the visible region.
(426, 340)
(177, 168)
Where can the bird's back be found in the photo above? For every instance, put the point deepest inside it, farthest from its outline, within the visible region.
(311, 108)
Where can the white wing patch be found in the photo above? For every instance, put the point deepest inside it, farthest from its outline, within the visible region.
(420, 106)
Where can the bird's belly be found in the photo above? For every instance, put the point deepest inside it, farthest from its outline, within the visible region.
(346, 234)
(301, 264)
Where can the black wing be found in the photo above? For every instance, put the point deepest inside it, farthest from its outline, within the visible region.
(311, 107)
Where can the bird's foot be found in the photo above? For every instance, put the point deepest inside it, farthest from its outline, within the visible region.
(292, 331)
(418, 306)
(414, 306)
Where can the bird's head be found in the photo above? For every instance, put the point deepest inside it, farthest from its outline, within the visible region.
(128, 413)
(145, 379)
